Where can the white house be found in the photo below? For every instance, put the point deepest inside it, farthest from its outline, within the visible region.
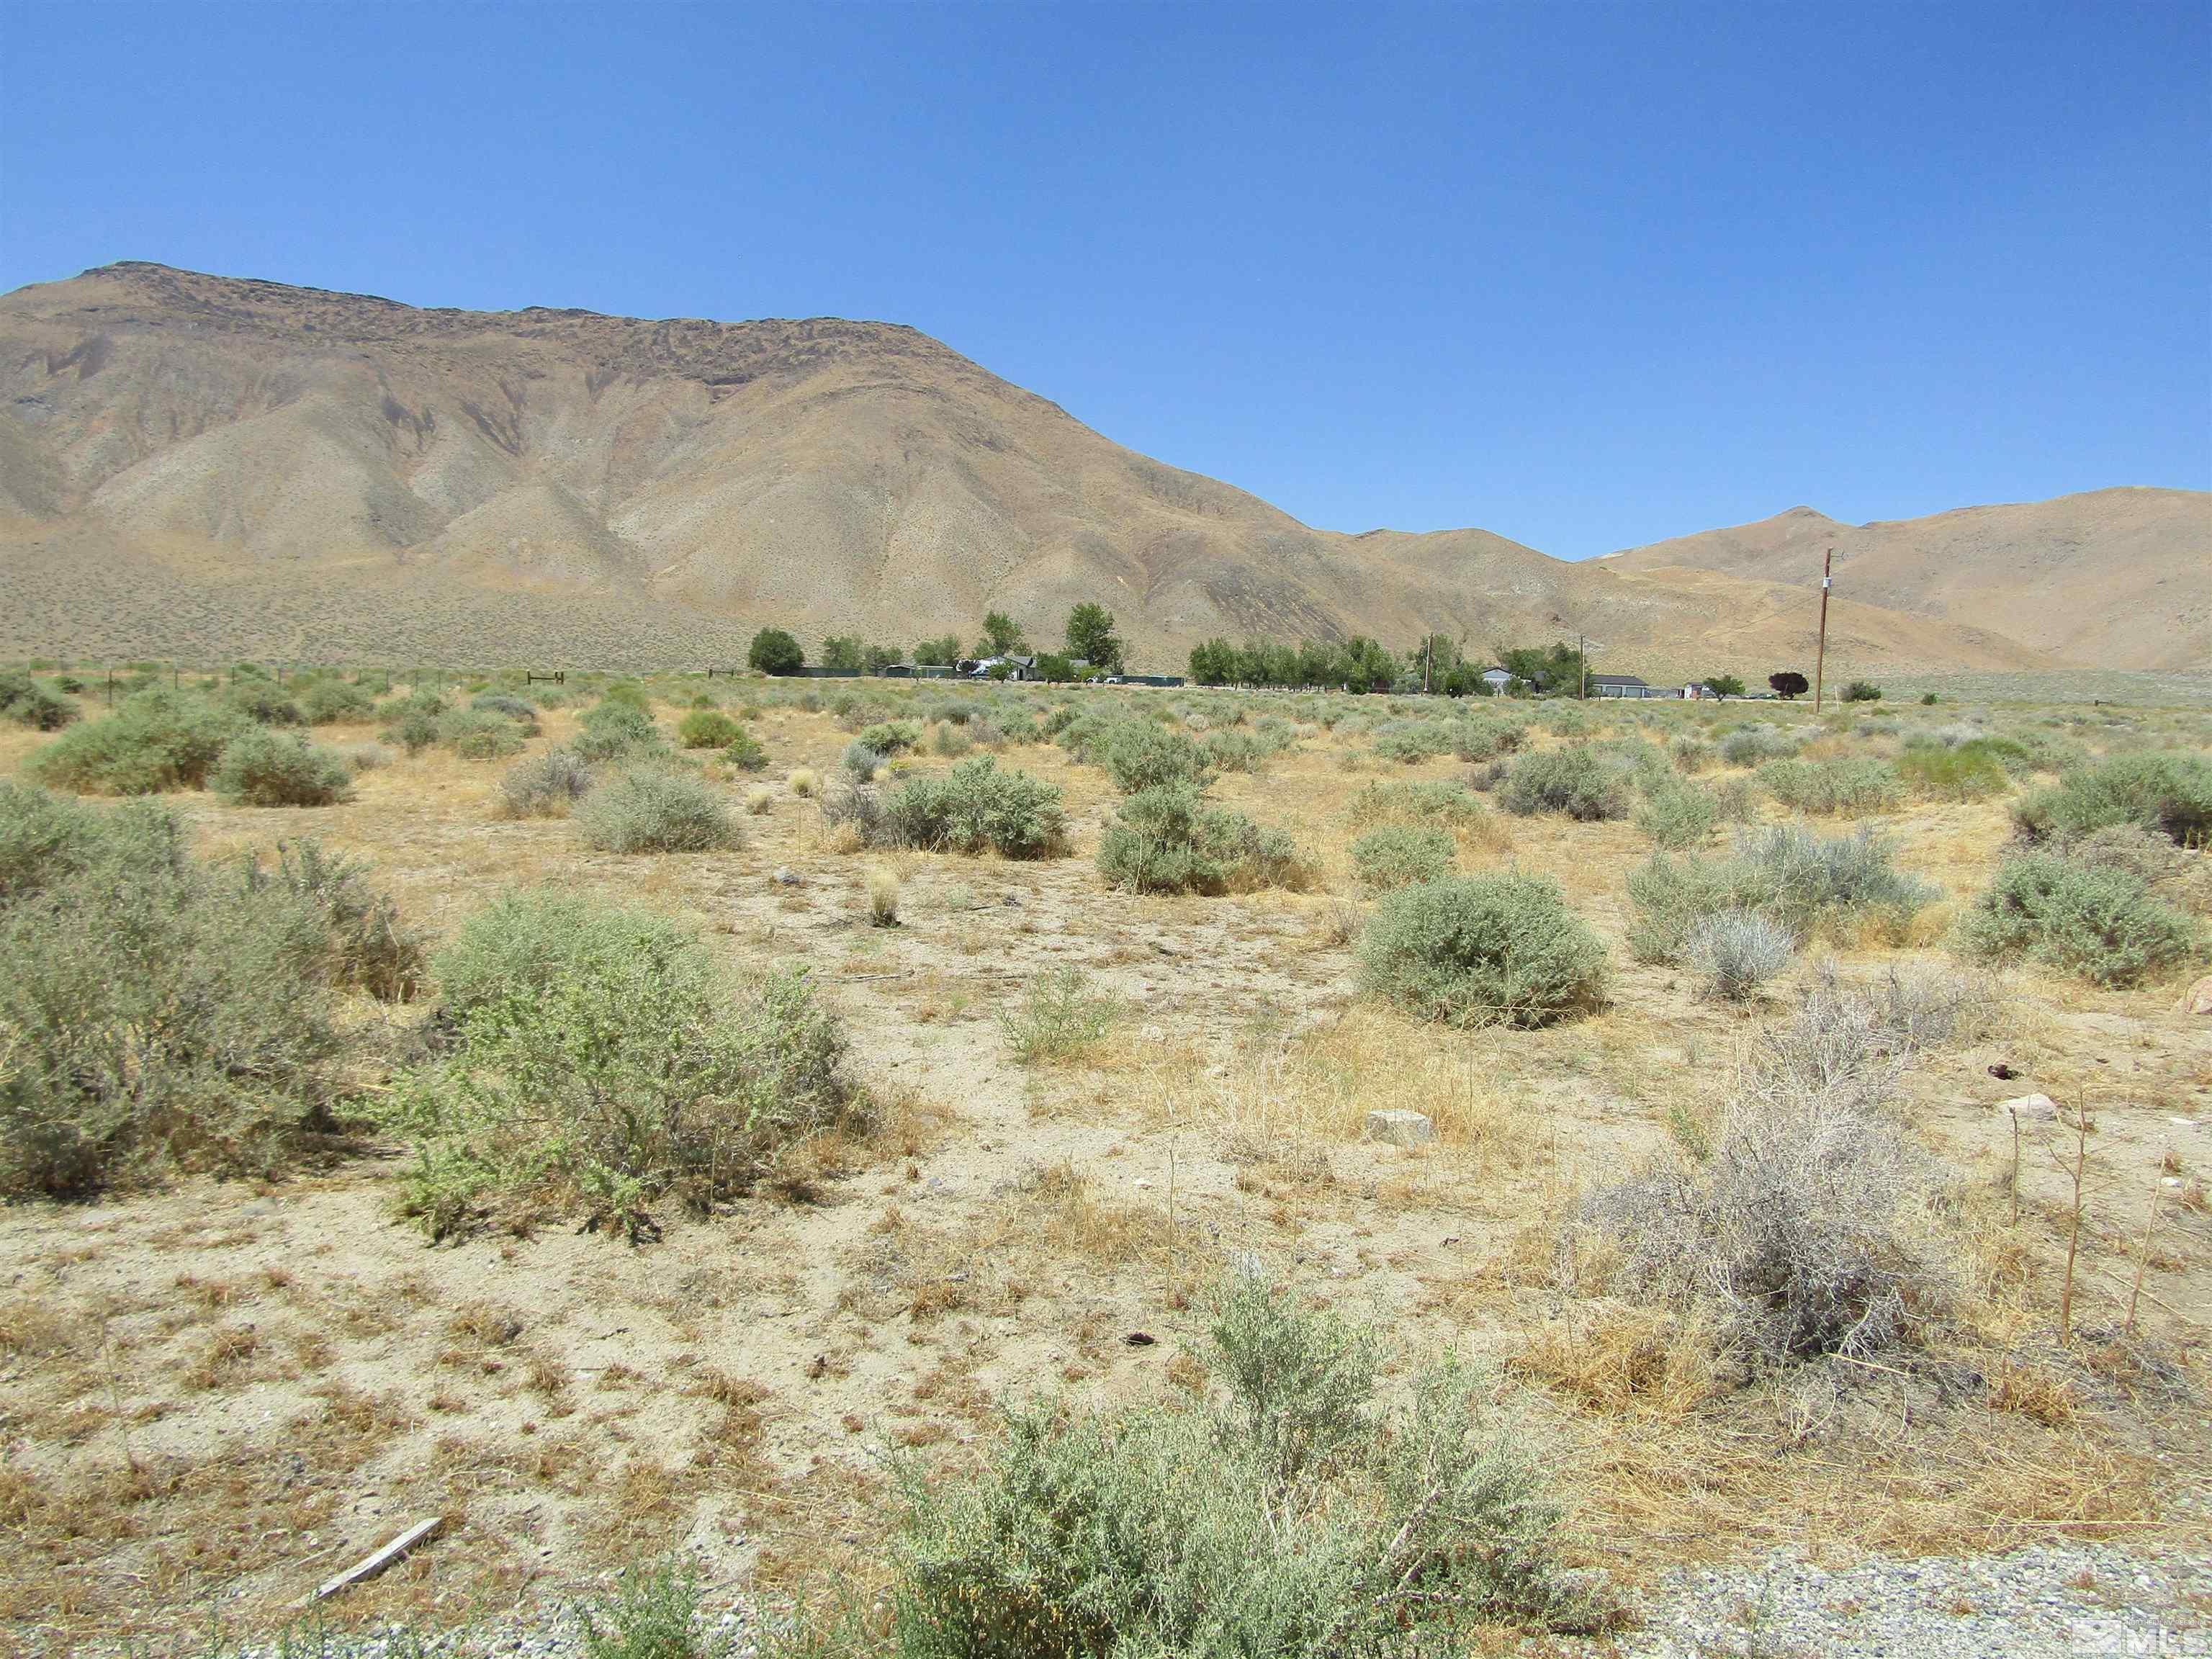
(1495, 680)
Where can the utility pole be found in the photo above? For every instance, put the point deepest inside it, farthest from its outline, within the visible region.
(1582, 670)
(1429, 661)
(1820, 655)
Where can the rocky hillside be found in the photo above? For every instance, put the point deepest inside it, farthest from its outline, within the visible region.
(203, 465)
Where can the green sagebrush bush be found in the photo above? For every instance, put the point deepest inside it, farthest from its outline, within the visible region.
(155, 740)
(1171, 839)
(616, 730)
(975, 806)
(263, 702)
(328, 700)
(1398, 854)
(1479, 739)
(1484, 950)
(708, 728)
(1747, 745)
(154, 1008)
(597, 1062)
(888, 738)
(2171, 794)
(1856, 785)
(2099, 921)
(545, 786)
(1575, 780)
(1806, 882)
(1411, 741)
(1676, 815)
(744, 752)
(657, 809)
(411, 721)
(1143, 755)
(1973, 770)
(27, 703)
(1298, 1518)
(474, 733)
(262, 767)
(520, 710)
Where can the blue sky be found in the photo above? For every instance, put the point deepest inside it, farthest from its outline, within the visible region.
(1585, 275)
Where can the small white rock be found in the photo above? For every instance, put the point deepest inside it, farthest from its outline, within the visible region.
(1397, 1126)
(2040, 1106)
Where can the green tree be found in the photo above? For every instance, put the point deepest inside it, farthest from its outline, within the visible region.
(1724, 685)
(774, 652)
(1091, 636)
(1213, 663)
(1368, 666)
(1554, 670)
(1051, 665)
(1001, 635)
(941, 653)
(1433, 657)
(878, 657)
(842, 652)
(1789, 684)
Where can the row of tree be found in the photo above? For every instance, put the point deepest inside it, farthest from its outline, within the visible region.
(1435, 662)
(1093, 648)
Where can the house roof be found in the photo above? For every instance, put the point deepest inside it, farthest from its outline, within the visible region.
(1615, 679)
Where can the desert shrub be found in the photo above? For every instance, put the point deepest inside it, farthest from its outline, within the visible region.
(1483, 950)
(859, 763)
(1692, 754)
(759, 799)
(1143, 755)
(2171, 794)
(1409, 741)
(1477, 739)
(628, 694)
(802, 783)
(155, 740)
(613, 729)
(261, 768)
(1676, 815)
(708, 728)
(653, 1613)
(1806, 882)
(1862, 691)
(1574, 781)
(1398, 854)
(882, 897)
(1735, 952)
(264, 701)
(744, 752)
(1749, 745)
(545, 786)
(1968, 771)
(951, 740)
(847, 801)
(1057, 1017)
(657, 809)
(1232, 750)
(157, 1008)
(1295, 1516)
(328, 700)
(479, 734)
(889, 737)
(1171, 839)
(1416, 800)
(975, 807)
(520, 710)
(27, 703)
(370, 947)
(1855, 786)
(2100, 922)
(597, 1062)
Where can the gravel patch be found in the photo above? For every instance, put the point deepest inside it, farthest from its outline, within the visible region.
(2049, 1601)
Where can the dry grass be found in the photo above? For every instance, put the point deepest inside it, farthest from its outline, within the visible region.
(1000, 1229)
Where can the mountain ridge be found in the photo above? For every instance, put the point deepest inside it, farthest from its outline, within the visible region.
(250, 450)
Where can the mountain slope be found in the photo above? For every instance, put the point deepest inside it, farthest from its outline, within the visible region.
(204, 466)
(2113, 578)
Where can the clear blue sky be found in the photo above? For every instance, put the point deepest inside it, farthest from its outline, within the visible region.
(1582, 274)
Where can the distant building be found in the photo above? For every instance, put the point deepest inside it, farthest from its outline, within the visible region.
(1628, 685)
(979, 668)
(1495, 680)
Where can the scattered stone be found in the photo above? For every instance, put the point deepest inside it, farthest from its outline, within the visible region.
(1139, 1339)
(2003, 1073)
(1397, 1126)
(785, 875)
(2198, 999)
(2031, 1106)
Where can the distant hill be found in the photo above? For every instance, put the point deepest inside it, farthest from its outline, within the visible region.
(2113, 579)
(210, 467)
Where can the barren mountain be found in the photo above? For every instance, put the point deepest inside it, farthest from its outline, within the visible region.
(204, 466)
(2114, 578)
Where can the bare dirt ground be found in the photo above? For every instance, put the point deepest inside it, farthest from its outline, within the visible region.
(216, 1393)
